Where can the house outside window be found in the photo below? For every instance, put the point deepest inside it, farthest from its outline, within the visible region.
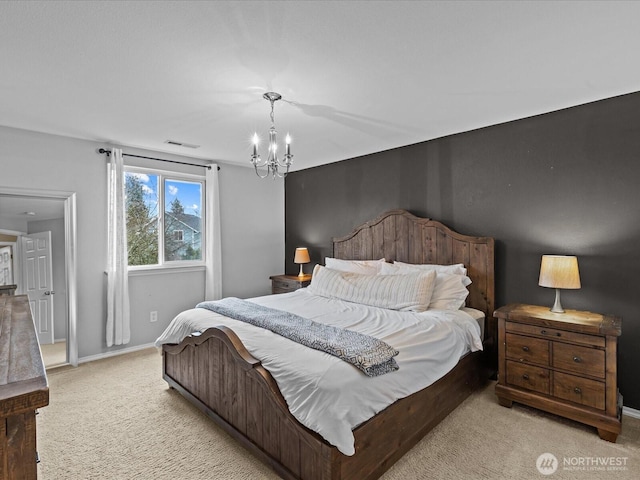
(165, 218)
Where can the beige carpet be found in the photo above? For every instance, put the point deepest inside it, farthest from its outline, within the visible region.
(54, 354)
(117, 419)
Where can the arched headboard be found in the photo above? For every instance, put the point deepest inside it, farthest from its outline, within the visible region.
(398, 235)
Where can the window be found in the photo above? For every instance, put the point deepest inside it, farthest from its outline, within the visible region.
(165, 218)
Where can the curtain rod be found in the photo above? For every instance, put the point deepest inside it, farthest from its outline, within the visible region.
(208, 167)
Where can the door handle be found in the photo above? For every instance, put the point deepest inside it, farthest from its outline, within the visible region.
(50, 292)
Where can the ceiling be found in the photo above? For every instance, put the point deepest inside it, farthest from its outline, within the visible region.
(22, 209)
(356, 77)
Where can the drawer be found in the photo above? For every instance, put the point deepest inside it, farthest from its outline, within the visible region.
(527, 349)
(527, 376)
(552, 333)
(581, 360)
(284, 283)
(579, 390)
(275, 290)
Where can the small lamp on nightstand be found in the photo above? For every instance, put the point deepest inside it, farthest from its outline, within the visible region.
(301, 257)
(559, 271)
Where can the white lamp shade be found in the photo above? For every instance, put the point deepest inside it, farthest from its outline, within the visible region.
(302, 256)
(559, 271)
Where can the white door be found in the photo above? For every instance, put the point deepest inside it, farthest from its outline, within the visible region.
(38, 282)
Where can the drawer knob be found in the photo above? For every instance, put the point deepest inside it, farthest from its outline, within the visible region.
(525, 348)
(577, 359)
(525, 376)
(577, 390)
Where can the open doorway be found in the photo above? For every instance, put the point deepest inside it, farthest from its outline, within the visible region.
(19, 217)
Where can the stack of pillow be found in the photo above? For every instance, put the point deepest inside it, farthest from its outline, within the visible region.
(397, 286)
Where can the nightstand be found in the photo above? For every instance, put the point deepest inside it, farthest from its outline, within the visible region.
(288, 283)
(563, 363)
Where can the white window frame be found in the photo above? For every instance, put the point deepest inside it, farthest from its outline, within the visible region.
(174, 265)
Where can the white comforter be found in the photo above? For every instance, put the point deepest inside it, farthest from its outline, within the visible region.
(326, 394)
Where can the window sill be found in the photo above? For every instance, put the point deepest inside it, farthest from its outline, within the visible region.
(163, 270)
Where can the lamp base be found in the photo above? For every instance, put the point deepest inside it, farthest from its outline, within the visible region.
(301, 274)
(557, 306)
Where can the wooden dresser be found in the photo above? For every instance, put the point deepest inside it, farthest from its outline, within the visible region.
(8, 289)
(563, 363)
(23, 389)
(288, 283)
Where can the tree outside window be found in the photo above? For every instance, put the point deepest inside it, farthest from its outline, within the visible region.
(142, 218)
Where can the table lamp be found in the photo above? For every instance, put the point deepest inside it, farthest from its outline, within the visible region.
(301, 257)
(559, 271)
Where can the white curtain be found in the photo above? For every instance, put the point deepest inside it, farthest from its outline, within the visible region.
(213, 252)
(118, 314)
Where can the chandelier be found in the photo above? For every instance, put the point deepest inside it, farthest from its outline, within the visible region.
(272, 164)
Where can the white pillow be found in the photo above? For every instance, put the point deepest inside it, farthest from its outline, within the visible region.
(392, 269)
(450, 291)
(410, 292)
(365, 267)
(457, 269)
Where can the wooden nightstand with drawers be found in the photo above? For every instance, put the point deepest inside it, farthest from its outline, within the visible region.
(288, 283)
(563, 363)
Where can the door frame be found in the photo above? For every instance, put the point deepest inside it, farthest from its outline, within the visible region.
(70, 250)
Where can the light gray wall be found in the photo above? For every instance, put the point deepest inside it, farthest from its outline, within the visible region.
(11, 223)
(253, 227)
(56, 227)
(252, 218)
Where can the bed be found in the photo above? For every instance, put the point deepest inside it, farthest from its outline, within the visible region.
(215, 371)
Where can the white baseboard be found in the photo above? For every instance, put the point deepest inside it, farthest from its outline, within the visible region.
(631, 412)
(114, 353)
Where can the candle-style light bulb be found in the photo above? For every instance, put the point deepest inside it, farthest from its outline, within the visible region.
(255, 140)
(288, 142)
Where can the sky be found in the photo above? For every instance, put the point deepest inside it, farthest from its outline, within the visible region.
(189, 193)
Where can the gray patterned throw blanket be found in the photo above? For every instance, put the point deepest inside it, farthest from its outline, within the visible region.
(374, 357)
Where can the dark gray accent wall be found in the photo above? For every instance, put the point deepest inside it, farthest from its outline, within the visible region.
(567, 182)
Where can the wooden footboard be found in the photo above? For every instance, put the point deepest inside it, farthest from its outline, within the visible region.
(216, 373)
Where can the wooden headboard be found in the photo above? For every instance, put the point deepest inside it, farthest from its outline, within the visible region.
(399, 235)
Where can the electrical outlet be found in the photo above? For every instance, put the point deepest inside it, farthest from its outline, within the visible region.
(153, 316)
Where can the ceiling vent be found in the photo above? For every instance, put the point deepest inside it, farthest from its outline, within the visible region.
(181, 144)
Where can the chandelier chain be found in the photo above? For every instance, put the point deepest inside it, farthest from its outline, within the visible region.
(273, 122)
